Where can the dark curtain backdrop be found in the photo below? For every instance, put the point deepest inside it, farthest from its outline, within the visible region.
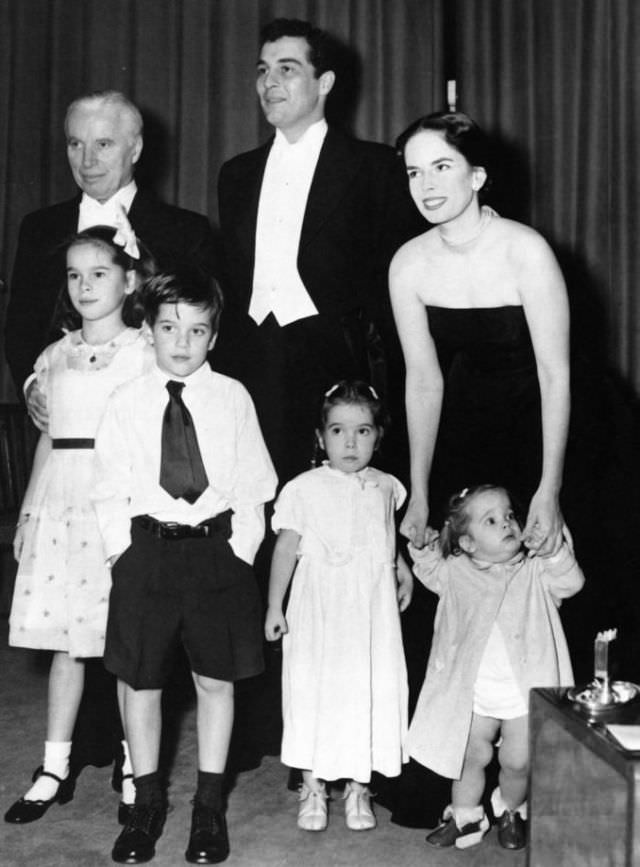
(557, 82)
(559, 85)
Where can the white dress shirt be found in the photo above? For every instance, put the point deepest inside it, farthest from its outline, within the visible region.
(128, 450)
(95, 213)
(277, 285)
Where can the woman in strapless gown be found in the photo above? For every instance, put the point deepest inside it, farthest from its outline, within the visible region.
(482, 314)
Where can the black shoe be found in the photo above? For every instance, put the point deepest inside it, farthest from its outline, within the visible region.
(208, 841)
(512, 830)
(136, 842)
(448, 833)
(24, 811)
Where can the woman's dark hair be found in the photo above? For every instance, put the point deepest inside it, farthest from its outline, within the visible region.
(101, 237)
(457, 521)
(186, 286)
(351, 391)
(460, 132)
(320, 53)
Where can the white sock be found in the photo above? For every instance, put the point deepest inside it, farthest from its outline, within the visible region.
(499, 805)
(56, 761)
(467, 815)
(128, 786)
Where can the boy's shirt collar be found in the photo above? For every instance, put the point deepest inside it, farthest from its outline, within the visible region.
(196, 378)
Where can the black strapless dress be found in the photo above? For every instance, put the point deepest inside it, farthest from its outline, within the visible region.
(490, 427)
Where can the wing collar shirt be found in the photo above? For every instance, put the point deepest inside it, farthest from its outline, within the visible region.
(128, 451)
(95, 213)
(277, 285)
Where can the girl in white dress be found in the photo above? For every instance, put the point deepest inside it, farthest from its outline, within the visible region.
(63, 582)
(344, 675)
(497, 636)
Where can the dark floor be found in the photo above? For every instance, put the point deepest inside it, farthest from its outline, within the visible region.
(261, 813)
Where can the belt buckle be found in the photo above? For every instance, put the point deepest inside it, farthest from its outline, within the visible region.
(171, 530)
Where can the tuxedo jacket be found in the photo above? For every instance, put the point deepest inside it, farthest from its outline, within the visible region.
(358, 213)
(173, 235)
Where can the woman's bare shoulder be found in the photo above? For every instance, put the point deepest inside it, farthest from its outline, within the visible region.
(414, 253)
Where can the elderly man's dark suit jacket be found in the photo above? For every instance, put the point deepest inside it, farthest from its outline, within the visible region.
(174, 235)
(358, 213)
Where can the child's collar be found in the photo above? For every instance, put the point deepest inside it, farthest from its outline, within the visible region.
(508, 564)
(365, 477)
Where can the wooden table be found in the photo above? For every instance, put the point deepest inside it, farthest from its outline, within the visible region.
(584, 798)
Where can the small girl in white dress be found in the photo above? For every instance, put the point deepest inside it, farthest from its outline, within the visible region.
(497, 635)
(344, 676)
(63, 582)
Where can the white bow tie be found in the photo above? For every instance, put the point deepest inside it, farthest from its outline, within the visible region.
(93, 213)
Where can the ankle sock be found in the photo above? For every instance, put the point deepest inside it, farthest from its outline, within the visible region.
(209, 791)
(128, 786)
(467, 815)
(56, 761)
(149, 790)
(499, 805)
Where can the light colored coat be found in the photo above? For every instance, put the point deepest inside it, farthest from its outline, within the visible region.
(523, 596)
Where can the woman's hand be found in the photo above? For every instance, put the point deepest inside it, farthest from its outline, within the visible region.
(414, 523)
(543, 533)
(275, 625)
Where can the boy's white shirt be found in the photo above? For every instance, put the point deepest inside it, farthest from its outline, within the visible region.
(128, 451)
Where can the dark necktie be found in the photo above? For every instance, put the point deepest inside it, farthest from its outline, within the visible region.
(182, 472)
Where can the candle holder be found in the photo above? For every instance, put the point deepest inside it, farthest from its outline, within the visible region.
(602, 695)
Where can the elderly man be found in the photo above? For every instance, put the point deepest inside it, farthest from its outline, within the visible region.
(309, 222)
(104, 142)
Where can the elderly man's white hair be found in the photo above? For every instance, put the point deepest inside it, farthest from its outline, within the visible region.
(109, 97)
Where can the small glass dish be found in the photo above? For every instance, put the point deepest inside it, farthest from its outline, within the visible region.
(595, 698)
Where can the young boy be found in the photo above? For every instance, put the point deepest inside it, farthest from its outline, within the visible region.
(182, 478)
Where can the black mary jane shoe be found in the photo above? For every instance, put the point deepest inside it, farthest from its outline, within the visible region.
(208, 841)
(124, 812)
(136, 842)
(24, 811)
(512, 830)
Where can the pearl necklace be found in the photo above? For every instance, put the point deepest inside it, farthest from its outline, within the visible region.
(486, 215)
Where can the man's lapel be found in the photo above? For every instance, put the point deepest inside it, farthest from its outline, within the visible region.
(337, 163)
(247, 189)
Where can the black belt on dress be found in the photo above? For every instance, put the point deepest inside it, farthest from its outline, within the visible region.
(219, 525)
(72, 443)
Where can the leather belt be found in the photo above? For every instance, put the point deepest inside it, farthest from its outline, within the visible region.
(71, 443)
(219, 525)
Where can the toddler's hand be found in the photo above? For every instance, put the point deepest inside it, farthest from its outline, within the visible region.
(431, 538)
(414, 523)
(275, 625)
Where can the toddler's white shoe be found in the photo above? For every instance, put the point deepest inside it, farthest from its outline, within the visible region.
(357, 808)
(312, 811)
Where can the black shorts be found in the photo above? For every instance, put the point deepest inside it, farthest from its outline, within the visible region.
(195, 591)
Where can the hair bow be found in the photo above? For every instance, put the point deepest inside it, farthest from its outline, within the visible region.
(125, 237)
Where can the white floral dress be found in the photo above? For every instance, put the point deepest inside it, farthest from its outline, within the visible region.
(344, 674)
(63, 582)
